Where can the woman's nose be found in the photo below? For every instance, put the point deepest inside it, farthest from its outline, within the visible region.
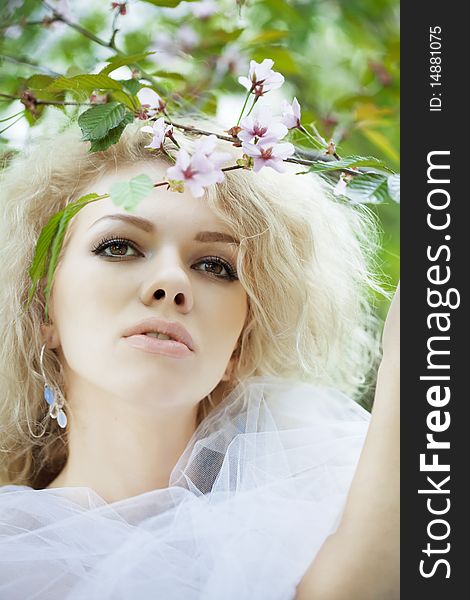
(168, 282)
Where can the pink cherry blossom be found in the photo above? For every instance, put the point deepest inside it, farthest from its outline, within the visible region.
(150, 101)
(261, 78)
(269, 153)
(261, 124)
(206, 147)
(159, 132)
(291, 114)
(204, 9)
(197, 171)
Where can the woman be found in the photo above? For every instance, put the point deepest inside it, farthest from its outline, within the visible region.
(216, 463)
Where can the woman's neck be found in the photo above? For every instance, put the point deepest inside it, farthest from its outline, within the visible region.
(121, 452)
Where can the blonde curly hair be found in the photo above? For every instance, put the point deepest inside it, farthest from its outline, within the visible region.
(307, 261)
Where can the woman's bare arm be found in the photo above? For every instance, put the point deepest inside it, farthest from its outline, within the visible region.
(360, 561)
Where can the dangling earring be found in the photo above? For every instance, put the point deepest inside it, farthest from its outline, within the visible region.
(55, 406)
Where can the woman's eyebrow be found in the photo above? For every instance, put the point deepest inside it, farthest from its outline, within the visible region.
(215, 236)
(146, 225)
(133, 220)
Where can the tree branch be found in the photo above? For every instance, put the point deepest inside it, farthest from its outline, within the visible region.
(192, 129)
(65, 103)
(50, 102)
(22, 60)
(312, 157)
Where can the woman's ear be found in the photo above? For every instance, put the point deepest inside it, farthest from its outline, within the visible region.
(49, 335)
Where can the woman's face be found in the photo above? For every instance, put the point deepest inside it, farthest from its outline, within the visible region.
(158, 269)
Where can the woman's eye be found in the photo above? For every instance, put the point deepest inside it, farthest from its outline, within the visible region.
(115, 248)
(218, 268)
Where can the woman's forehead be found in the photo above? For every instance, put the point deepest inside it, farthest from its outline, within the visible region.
(162, 208)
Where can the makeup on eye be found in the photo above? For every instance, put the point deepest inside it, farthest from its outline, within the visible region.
(116, 241)
(109, 241)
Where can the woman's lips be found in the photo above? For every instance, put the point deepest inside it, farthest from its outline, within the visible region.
(156, 346)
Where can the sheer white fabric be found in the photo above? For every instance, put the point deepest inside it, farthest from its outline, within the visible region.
(259, 487)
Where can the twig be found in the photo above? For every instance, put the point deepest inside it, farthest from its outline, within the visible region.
(66, 103)
(114, 29)
(30, 63)
(192, 129)
(243, 107)
(160, 183)
(232, 168)
(50, 102)
(88, 34)
(57, 16)
(309, 163)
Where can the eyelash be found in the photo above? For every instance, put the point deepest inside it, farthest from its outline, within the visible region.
(107, 242)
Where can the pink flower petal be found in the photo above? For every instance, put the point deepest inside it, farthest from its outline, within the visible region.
(245, 82)
(275, 164)
(283, 150)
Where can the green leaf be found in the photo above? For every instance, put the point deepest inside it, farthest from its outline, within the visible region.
(39, 82)
(111, 137)
(131, 85)
(120, 61)
(169, 75)
(49, 245)
(370, 187)
(123, 98)
(98, 120)
(84, 83)
(348, 163)
(393, 183)
(37, 270)
(70, 211)
(129, 194)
